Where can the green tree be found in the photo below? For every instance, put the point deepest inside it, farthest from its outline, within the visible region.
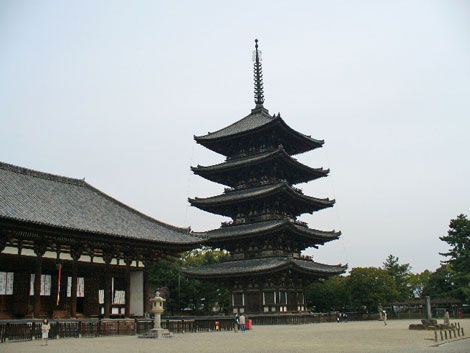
(184, 293)
(401, 274)
(371, 286)
(441, 284)
(418, 282)
(331, 294)
(458, 238)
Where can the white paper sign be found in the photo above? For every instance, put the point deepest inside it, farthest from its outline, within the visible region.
(119, 297)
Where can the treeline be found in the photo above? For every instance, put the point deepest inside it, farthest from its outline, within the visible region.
(364, 288)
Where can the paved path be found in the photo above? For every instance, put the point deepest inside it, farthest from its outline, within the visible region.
(352, 337)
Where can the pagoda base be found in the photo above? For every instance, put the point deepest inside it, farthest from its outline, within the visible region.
(282, 319)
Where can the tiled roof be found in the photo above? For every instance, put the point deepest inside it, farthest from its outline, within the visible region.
(243, 195)
(250, 122)
(258, 121)
(262, 265)
(305, 173)
(35, 197)
(235, 231)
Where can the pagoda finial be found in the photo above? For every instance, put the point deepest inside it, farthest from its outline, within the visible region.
(258, 76)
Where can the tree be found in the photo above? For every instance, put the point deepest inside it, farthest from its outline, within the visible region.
(187, 293)
(370, 287)
(458, 237)
(332, 294)
(441, 284)
(418, 282)
(401, 274)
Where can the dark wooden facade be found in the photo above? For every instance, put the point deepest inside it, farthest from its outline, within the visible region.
(52, 226)
(265, 239)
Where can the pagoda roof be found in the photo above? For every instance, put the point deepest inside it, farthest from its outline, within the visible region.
(266, 227)
(218, 172)
(233, 268)
(215, 204)
(38, 198)
(258, 121)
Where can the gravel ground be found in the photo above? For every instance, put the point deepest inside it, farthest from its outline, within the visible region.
(352, 337)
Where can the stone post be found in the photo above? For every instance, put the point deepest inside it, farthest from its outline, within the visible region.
(428, 308)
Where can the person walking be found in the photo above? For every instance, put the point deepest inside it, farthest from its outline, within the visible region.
(236, 325)
(447, 318)
(242, 323)
(385, 317)
(45, 328)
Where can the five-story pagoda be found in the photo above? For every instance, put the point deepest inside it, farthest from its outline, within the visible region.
(265, 268)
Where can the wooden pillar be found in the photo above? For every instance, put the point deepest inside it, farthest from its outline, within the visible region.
(73, 291)
(75, 253)
(128, 287)
(3, 243)
(39, 250)
(147, 307)
(107, 285)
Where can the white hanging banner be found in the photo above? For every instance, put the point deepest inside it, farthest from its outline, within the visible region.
(46, 282)
(80, 287)
(69, 287)
(3, 283)
(10, 279)
(45, 289)
(31, 284)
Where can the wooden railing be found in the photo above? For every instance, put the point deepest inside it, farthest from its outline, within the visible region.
(24, 330)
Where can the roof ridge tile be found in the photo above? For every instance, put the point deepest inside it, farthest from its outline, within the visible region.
(37, 174)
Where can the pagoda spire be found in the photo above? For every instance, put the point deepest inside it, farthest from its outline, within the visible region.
(258, 77)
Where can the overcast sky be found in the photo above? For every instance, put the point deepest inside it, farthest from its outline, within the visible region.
(113, 91)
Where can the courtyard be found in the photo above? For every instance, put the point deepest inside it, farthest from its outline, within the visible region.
(351, 337)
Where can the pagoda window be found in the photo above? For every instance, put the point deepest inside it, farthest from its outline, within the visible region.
(268, 298)
(238, 299)
(300, 298)
(282, 297)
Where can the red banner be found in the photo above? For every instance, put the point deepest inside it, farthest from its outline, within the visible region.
(59, 281)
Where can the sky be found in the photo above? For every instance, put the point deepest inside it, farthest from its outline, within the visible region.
(114, 91)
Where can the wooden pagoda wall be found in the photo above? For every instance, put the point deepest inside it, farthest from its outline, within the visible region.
(274, 293)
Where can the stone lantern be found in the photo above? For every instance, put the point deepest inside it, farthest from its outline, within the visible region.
(157, 309)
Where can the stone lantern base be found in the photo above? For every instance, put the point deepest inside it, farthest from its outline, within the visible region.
(157, 333)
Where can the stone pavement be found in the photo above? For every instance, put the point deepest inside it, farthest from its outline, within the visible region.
(352, 337)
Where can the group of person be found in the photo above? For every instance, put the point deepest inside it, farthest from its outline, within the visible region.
(240, 322)
(341, 317)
